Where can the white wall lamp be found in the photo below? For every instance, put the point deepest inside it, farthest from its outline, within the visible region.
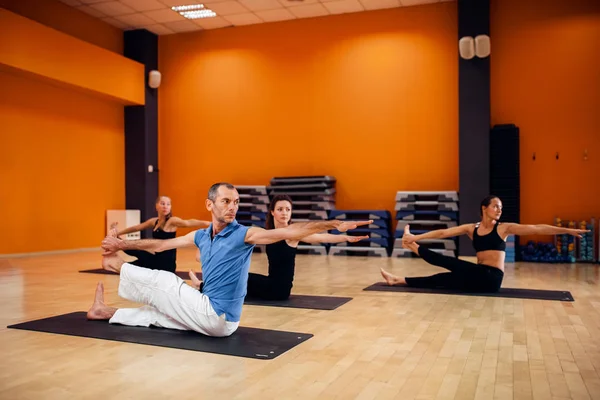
(469, 47)
(154, 78)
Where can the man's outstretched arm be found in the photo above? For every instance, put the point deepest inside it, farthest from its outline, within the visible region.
(111, 244)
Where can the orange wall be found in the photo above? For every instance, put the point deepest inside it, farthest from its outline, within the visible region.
(35, 48)
(545, 71)
(69, 20)
(369, 98)
(61, 166)
(62, 155)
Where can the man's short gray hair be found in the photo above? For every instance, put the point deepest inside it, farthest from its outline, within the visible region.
(214, 190)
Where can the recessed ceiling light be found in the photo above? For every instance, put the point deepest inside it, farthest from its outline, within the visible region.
(188, 7)
(194, 11)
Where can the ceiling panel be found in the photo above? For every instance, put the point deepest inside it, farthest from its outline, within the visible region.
(158, 17)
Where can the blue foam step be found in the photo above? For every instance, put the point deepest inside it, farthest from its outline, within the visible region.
(321, 194)
(277, 180)
(260, 190)
(425, 225)
(427, 215)
(299, 186)
(257, 223)
(372, 242)
(313, 205)
(373, 233)
(311, 197)
(426, 206)
(253, 208)
(253, 199)
(310, 214)
(378, 224)
(450, 196)
(246, 215)
(360, 214)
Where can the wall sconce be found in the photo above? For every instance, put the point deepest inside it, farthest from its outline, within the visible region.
(469, 47)
(154, 78)
(466, 47)
(482, 46)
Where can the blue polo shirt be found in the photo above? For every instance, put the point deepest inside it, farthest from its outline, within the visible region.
(225, 265)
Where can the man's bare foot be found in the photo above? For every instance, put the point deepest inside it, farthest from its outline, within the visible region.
(195, 281)
(392, 279)
(112, 262)
(99, 310)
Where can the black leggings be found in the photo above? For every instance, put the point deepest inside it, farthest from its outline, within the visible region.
(463, 275)
(151, 261)
(267, 288)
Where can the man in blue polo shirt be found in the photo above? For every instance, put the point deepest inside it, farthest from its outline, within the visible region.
(225, 250)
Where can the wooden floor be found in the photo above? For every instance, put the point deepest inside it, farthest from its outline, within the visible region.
(377, 346)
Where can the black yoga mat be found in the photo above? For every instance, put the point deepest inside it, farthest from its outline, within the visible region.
(294, 301)
(98, 271)
(302, 301)
(559, 295)
(245, 342)
(181, 274)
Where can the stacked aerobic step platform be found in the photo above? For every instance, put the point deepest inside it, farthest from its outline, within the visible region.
(313, 198)
(586, 245)
(424, 212)
(254, 204)
(379, 242)
(510, 249)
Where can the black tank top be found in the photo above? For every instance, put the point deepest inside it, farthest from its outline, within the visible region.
(491, 241)
(160, 234)
(282, 262)
(167, 255)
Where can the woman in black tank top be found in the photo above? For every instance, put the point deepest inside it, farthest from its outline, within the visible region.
(466, 276)
(277, 285)
(163, 227)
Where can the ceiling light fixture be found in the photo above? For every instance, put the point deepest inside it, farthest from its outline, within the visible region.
(194, 11)
(188, 7)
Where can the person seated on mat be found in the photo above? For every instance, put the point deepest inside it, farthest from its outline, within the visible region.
(489, 240)
(226, 250)
(163, 227)
(277, 285)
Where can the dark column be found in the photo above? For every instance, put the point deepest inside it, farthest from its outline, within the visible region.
(505, 173)
(474, 118)
(141, 131)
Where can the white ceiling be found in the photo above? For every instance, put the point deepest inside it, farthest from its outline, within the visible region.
(157, 16)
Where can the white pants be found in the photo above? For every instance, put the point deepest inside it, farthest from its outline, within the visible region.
(170, 303)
